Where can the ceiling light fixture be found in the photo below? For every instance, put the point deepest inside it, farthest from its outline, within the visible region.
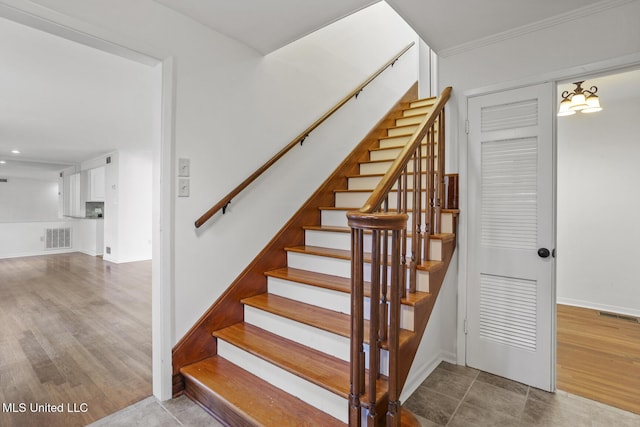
(15, 151)
(2, 162)
(583, 100)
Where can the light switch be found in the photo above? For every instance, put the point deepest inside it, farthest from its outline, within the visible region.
(184, 166)
(183, 187)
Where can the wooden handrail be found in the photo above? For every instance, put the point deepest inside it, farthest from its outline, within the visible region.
(224, 202)
(378, 196)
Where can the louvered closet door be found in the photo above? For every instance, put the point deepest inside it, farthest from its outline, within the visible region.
(510, 290)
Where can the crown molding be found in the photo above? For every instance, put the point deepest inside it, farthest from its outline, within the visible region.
(534, 26)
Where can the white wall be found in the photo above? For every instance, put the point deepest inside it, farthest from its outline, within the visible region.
(598, 228)
(24, 199)
(531, 57)
(19, 238)
(234, 109)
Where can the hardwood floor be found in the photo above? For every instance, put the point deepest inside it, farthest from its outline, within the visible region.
(599, 357)
(75, 334)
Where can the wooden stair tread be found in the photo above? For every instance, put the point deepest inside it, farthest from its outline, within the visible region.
(424, 144)
(256, 401)
(346, 255)
(375, 175)
(330, 321)
(312, 365)
(336, 283)
(360, 190)
(389, 160)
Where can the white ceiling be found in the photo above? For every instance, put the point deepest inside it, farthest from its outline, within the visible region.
(270, 25)
(266, 25)
(63, 102)
(448, 24)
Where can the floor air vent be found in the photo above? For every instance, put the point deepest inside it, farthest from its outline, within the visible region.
(58, 238)
(619, 316)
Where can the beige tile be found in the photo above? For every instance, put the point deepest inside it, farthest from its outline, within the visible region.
(469, 415)
(496, 399)
(557, 411)
(504, 383)
(458, 369)
(189, 413)
(448, 383)
(432, 405)
(145, 413)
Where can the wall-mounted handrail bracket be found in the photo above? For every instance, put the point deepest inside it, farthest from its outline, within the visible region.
(222, 204)
(224, 208)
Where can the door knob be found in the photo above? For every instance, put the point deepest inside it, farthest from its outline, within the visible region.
(543, 253)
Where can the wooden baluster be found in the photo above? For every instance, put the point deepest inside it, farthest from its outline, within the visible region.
(416, 246)
(429, 191)
(393, 412)
(414, 224)
(374, 349)
(402, 208)
(384, 287)
(357, 327)
(441, 166)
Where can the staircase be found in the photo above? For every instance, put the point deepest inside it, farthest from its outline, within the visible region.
(285, 361)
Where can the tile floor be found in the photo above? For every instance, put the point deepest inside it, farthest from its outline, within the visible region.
(452, 396)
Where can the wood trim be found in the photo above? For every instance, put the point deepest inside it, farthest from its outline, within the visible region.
(298, 139)
(198, 344)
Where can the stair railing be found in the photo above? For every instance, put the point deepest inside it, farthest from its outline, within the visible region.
(416, 179)
(226, 200)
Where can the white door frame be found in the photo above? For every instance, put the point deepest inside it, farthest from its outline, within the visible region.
(612, 65)
(52, 22)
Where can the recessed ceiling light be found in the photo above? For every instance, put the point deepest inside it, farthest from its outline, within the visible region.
(2, 162)
(15, 151)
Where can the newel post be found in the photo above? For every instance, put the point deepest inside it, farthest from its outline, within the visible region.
(364, 379)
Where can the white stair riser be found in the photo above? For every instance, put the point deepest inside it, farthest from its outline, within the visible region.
(338, 218)
(333, 218)
(370, 182)
(329, 299)
(342, 267)
(410, 120)
(342, 240)
(306, 391)
(404, 130)
(422, 103)
(358, 198)
(318, 339)
(383, 167)
(447, 222)
(390, 153)
(398, 141)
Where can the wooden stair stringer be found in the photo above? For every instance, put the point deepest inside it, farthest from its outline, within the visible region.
(197, 345)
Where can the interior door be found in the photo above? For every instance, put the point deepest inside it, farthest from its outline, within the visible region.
(510, 288)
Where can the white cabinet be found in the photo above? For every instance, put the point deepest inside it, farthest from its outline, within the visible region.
(96, 184)
(90, 236)
(71, 195)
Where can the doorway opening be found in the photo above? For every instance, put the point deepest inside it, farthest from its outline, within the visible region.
(598, 334)
(80, 139)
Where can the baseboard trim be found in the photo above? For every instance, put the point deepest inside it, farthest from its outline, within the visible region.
(600, 307)
(413, 382)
